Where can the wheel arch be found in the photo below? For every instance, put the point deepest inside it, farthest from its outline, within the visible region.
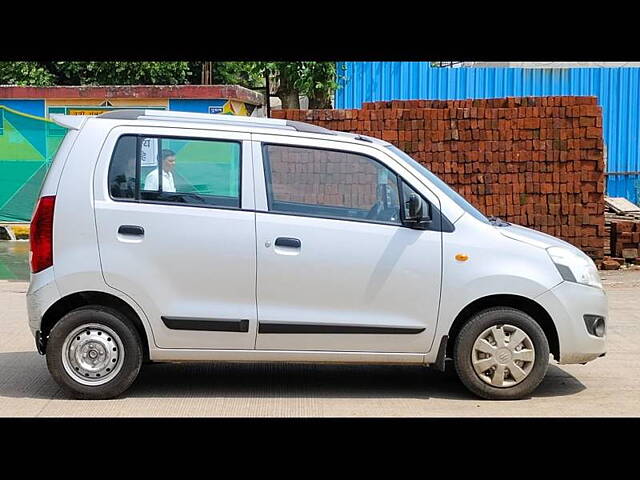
(528, 306)
(80, 299)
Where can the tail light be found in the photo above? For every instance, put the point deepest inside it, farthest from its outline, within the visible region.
(41, 235)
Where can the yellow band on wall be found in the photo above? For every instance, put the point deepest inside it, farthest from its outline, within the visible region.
(28, 115)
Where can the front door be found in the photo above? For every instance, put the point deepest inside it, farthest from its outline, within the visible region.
(176, 232)
(337, 269)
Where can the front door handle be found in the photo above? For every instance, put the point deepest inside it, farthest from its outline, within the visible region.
(131, 230)
(288, 242)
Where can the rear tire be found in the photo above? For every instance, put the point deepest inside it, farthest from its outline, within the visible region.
(94, 352)
(501, 354)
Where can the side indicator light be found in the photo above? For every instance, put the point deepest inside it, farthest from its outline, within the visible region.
(461, 257)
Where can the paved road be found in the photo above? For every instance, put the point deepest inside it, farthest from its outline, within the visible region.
(609, 386)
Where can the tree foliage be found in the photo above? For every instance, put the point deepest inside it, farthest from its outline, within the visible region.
(93, 73)
(316, 80)
(25, 74)
(120, 73)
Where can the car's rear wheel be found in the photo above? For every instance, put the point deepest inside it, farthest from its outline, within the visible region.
(501, 354)
(94, 352)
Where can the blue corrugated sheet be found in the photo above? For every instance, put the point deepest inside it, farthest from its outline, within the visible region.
(617, 90)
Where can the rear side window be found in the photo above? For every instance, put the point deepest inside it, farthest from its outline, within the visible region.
(122, 171)
(330, 184)
(176, 170)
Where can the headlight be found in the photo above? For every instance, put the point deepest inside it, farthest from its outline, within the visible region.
(575, 267)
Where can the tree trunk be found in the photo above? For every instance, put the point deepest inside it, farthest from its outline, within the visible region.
(287, 94)
(320, 99)
(207, 73)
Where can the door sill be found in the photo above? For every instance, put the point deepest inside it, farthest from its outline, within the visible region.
(298, 356)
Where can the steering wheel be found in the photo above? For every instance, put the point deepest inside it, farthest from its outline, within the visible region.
(383, 209)
(376, 210)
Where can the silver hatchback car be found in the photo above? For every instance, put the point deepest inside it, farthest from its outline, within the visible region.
(167, 236)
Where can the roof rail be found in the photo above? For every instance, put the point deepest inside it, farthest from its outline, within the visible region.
(122, 114)
(214, 119)
(309, 127)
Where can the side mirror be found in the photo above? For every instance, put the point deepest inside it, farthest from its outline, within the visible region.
(418, 216)
(415, 207)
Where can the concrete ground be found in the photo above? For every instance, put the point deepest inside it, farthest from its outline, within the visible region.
(609, 386)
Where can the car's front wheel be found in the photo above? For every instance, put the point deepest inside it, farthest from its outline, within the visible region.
(94, 352)
(501, 354)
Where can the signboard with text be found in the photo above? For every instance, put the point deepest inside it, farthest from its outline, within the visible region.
(86, 111)
(149, 152)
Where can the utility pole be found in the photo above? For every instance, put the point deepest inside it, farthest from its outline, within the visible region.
(207, 73)
(267, 93)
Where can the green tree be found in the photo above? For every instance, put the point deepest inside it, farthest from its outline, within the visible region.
(94, 73)
(316, 80)
(226, 73)
(25, 74)
(319, 81)
(120, 73)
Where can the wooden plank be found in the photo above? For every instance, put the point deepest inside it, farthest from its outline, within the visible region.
(621, 205)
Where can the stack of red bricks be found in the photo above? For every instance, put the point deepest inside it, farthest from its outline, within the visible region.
(624, 244)
(534, 161)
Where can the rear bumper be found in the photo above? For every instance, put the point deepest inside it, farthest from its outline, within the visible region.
(567, 303)
(42, 293)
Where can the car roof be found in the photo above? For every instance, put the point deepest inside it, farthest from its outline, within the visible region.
(217, 121)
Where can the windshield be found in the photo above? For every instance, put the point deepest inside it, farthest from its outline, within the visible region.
(446, 189)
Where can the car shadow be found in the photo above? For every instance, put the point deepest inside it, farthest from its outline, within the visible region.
(25, 375)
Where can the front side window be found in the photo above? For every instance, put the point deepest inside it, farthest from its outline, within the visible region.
(176, 170)
(330, 184)
(446, 189)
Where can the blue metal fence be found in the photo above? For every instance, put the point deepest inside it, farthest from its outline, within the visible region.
(617, 89)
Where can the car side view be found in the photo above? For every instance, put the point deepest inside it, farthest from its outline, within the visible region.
(170, 236)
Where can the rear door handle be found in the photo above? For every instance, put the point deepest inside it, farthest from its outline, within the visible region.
(131, 230)
(288, 242)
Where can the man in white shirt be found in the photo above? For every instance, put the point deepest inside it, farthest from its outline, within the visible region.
(168, 164)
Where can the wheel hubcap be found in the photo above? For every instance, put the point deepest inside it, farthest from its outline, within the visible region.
(92, 354)
(503, 355)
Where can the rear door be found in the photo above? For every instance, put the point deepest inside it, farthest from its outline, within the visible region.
(176, 230)
(337, 269)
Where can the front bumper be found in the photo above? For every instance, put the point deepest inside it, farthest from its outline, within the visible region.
(567, 303)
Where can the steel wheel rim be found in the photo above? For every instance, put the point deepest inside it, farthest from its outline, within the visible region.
(92, 354)
(503, 356)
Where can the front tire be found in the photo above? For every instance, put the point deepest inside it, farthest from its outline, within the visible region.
(94, 352)
(501, 354)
